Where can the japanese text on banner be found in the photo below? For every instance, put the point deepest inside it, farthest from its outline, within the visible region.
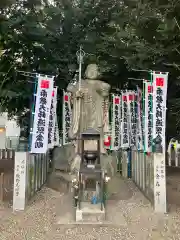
(66, 117)
(52, 119)
(148, 117)
(159, 106)
(132, 117)
(139, 142)
(116, 122)
(56, 129)
(125, 123)
(41, 115)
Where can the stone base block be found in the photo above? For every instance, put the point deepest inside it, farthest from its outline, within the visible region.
(90, 213)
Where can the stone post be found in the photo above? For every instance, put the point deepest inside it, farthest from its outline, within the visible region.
(159, 178)
(159, 183)
(20, 172)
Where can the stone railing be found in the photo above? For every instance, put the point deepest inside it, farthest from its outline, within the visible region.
(143, 172)
(6, 174)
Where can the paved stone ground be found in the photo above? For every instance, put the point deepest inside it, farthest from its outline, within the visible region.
(130, 214)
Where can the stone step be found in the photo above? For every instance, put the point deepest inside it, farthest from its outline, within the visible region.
(90, 213)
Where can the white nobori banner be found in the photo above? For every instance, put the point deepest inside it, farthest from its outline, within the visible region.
(125, 122)
(116, 122)
(66, 117)
(148, 117)
(55, 111)
(56, 134)
(52, 119)
(41, 114)
(56, 128)
(139, 141)
(159, 106)
(159, 125)
(132, 118)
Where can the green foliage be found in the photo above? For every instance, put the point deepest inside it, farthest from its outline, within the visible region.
(147, 36)
(45, 38)
(36, 36)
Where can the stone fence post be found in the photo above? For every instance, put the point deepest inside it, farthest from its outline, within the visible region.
(30, 174)
(20, 181)
(160, 204)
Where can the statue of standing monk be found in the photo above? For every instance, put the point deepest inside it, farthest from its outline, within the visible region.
(88, 105)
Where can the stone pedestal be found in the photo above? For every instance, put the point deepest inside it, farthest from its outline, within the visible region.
(90, 213)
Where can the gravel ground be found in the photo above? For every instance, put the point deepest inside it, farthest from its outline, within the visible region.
(130, 213)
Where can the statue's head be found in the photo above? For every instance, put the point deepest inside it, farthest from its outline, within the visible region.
(92, 71)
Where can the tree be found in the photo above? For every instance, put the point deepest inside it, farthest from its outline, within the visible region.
(147, 37)
(119, 35)
(44, 38)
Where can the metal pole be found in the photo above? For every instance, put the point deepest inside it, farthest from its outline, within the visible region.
(140, 70)
(136, 79)
(80, 55)
(80, 67)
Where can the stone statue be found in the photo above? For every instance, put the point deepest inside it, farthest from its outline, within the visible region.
(88, 104)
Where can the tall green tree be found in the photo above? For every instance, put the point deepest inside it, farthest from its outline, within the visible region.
(146, 36)
(43, 38)
(36, 36)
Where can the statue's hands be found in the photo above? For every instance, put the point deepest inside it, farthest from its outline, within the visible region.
(79, 94)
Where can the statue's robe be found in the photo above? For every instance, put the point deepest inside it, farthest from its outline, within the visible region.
(88, 111)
